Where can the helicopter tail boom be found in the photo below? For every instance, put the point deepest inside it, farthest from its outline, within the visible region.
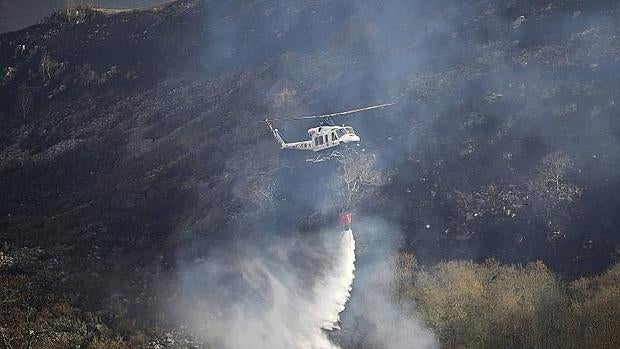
(303, 145)
(276, 133)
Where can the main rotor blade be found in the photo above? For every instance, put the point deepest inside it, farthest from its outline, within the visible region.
(322, 116)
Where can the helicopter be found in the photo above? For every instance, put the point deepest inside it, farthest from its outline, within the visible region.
(327, 135)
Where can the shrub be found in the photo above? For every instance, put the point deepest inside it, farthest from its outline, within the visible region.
(596, 309)
(491, 305)
(29, 319)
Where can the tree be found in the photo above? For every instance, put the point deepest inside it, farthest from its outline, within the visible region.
(490, 305)
(550, 182)
(553, 193)
(263, 193)
(50, 67)
(285, 98)
(24, 103)
(75, 11)
(357, 179)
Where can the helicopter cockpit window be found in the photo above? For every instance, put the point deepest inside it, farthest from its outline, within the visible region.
(349, 129)
(340, 132)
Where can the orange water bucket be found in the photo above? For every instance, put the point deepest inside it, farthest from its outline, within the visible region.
(345, 218)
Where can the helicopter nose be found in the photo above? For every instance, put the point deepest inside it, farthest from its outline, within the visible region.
(351, 138)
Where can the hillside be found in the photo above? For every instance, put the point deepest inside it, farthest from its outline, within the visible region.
(16, 15)
(132, 141)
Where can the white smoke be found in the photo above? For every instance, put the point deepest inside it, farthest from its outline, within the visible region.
(386, 324)
(373, 319)
(285, 297)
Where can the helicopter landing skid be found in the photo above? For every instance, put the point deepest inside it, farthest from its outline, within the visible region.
(335, 155)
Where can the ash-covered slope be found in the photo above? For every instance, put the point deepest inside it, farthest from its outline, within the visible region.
(127, 135)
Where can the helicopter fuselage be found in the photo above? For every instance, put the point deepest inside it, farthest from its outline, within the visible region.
(322, 137)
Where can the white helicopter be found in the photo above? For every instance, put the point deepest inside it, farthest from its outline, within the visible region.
(325, 136)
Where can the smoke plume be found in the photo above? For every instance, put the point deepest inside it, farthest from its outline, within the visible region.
(373, 319)
(283, 296)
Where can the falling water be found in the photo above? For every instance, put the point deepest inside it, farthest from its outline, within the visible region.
(283, 298)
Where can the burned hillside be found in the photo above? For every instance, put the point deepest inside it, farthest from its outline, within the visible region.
(132, 141)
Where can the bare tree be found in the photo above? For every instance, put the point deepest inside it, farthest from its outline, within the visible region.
(553, 192)
(24, 103)
(263, 193)
(285, 98)
(46, 66)
(358, 177)
(550, 182)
